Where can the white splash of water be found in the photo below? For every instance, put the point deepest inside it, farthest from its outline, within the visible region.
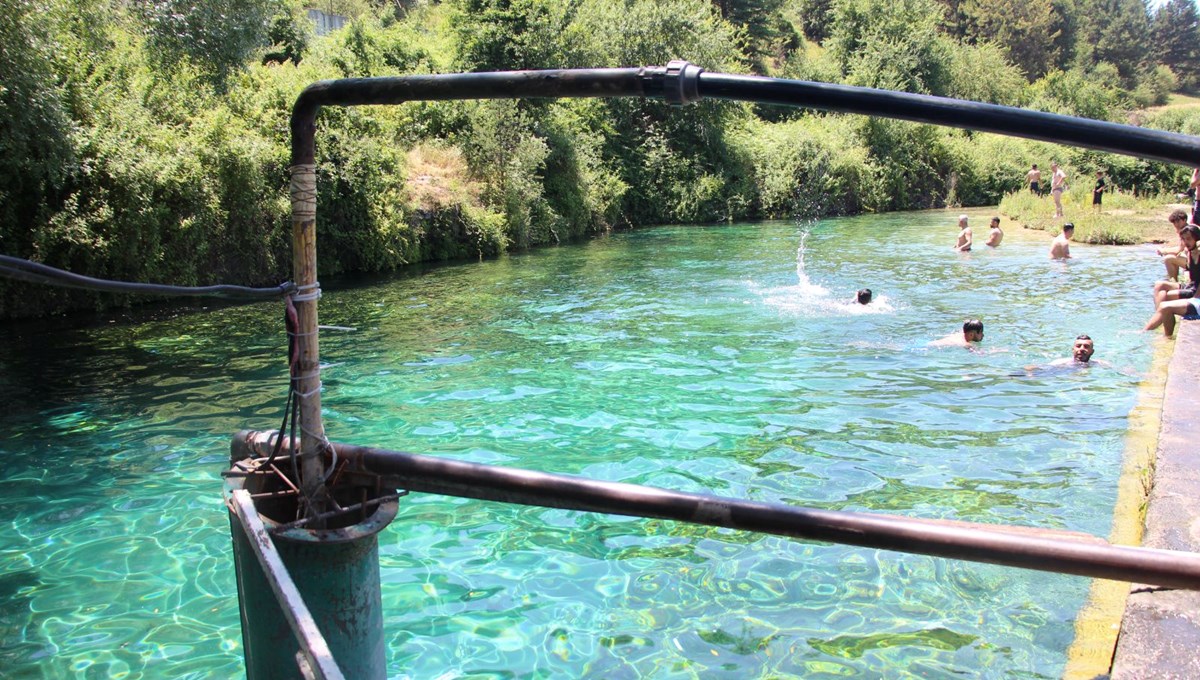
(807, 298)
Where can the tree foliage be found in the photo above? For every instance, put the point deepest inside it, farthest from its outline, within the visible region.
(149, 141)
(1176, 29)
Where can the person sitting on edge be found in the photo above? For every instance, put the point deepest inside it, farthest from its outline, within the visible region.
(863, 296)
(1174, 257)
(972, 331)
(964, 235)
(1034, 177)
(996, 235)
(1167, 311)
(1060, 249)
(1166, 291)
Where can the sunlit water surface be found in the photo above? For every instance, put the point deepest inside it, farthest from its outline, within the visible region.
(722, 359)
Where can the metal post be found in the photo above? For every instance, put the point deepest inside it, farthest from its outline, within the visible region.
(335, 572)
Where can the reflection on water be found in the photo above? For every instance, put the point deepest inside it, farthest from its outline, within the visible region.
(727, 359)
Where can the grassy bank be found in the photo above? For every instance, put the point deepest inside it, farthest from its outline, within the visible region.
(1125, 219)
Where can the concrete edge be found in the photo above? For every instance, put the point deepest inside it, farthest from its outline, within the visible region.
(1099, 621)
(1160, 630)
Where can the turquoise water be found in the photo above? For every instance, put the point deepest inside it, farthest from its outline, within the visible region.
(723, 359)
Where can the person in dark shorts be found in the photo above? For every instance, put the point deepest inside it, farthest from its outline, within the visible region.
(1173, 299)
(1098, 192)
(1034, 178)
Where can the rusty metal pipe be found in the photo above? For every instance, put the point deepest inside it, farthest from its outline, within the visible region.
(1024, 547)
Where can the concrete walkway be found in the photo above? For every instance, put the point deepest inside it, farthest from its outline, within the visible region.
(1160, 632)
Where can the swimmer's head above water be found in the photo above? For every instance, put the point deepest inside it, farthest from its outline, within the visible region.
(1083, 349)
(973, 330)
(863, 296)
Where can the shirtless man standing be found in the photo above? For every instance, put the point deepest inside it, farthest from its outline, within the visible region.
(1058, 184)
(1034, 177)
(1060, 249)
(996, 235)
(964, 235)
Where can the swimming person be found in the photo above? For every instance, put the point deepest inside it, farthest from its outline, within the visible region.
(964, 235)
(996, 235)
(972, 331)
(1060, 249)
(1081, 356)
(863, 296)
(1058, 184)
(1175, 257)
(1081, 351)
(1034, 177)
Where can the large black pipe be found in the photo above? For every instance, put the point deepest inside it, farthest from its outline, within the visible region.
(681, 83)
(1048, 127)
(598, 82)
(1061, 552)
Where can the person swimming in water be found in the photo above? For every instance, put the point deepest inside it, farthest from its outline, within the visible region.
(1081, 352)
(1060, 249)
(863, 296)
(996, 235)
(964, 235)
(972, 332)
(1081, 357)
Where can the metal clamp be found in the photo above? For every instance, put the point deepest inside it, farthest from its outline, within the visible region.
(682, 83)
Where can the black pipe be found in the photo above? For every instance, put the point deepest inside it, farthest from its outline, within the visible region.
(599, 82)
(1061, 552)
(680, 83)
(1048, 127)
(36, 272)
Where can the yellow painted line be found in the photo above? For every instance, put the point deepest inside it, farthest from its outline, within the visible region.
(1099, 622)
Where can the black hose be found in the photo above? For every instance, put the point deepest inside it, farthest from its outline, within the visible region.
(35, 272)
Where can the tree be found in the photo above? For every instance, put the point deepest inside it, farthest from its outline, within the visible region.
(892, 45)
(768, 34)
(36, 150)
(1116, 32)
(1024, 30)
(216, 35)
(1177, 40)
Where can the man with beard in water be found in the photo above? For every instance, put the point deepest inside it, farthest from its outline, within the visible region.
(972, 332)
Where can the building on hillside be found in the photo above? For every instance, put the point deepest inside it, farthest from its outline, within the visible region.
(326, 23)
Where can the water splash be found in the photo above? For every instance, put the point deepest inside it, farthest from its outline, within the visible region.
(808, 298)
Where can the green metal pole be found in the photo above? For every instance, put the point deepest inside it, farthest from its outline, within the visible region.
(337, 574)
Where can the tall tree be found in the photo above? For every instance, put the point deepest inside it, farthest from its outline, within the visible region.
(1177, 40)
(1116, 32)
(891, 44)
(1024, 30)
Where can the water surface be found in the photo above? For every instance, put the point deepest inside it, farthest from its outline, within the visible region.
(722, 359)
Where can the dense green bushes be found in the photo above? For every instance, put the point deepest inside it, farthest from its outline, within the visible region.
(149, 145)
